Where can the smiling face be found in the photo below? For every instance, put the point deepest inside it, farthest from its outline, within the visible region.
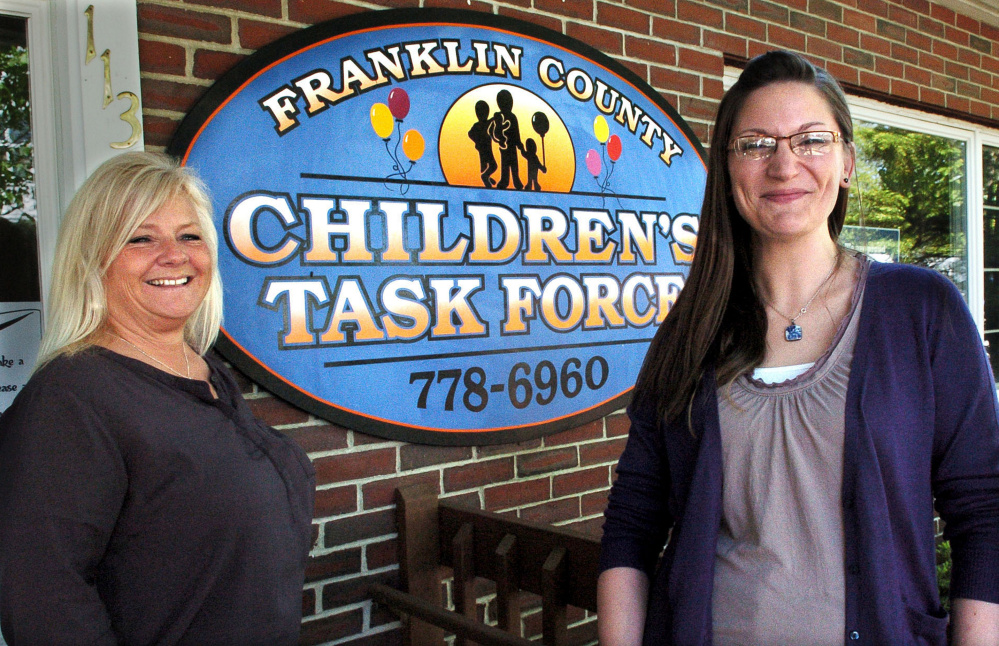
(787, 197)
(162, 274)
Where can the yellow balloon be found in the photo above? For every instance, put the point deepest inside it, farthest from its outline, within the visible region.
(412, 145)
(381, 120)
(600, 128)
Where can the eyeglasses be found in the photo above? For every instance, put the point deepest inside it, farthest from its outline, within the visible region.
(803, 144)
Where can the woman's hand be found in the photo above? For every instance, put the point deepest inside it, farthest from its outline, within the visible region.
(973, 622)
(622, 594)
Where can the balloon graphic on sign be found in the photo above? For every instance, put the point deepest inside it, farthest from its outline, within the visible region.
(600, 129)
(593, 162)
(412, 145)
(398, 103)
(381, 120)
(540, 124)
(614, 148)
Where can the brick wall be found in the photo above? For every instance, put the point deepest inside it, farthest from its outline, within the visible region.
(911, 52)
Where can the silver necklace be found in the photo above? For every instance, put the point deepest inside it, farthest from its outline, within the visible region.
(149, 356)
(793, 331)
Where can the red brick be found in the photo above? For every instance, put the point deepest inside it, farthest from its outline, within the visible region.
(876, 7)
(212, 65)
(363, 439)
(274, 411)
(931, 27)
(468, 500)
(184, 23)
(311, 12)
(843, 73)
(308, 602)
(756, 49)
(533, 17)
(978, 77)
(888, 67)
(860, 21)
(478, 474)
(620, 17)
(824, 48)
(990, 64)
(336, 501)
(713, 89)
(675, 80)
(959, 103)
(904, 54)
(968, 23)
(695, 61)
(593, 503)
(980, 109)
(770, 12)
(826, 9)
(601, 452)
(382, 492)
(932, 97)
(991, 32)
(858, 58)
(725, 43)
(919, 6)
(567, 484)
(381, 554)
(903, 16)
(876, 82)
(676, 31)
(650, 50)
(969, 57)
(808, 24)
(471, 5)
(699, 14)
(270, 8)
(990, 96)
(891, 30)
(415, 456)
(551, 512)
(502, 449)
(919, 41)
(843, 35)
(157, 131)
(517, 494)
(956, 70)
(352, 529)
(917, 75)
(785, 38)
(352, 590)
(352, 466)
(641, 70)
(533, 464)
(338, 563)
(931, 62)
(656, 7)
(737, 24)
(875, 45)
(254, 34)
(957, 36)
(591, 431)
(162, 58)
(331, 627)
(942, 83)
(944, 49)
(590, 526)
(571, 8)
(618, 425)
(167, 95)
(314, 439)
(607, 41)
(942, 13)
(905, 90)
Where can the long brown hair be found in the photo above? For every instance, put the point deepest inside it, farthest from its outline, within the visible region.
(719, 319)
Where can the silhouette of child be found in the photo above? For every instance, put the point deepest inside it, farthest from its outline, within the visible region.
(533, 165)
(505, 130)
(483, 143)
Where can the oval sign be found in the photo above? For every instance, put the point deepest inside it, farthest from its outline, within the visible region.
(443, 231)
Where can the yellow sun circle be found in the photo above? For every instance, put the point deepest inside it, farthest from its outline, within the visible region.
(460, 160)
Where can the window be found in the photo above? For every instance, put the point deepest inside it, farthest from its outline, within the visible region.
(990, 242)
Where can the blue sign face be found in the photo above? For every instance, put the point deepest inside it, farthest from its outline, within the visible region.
(440, 231)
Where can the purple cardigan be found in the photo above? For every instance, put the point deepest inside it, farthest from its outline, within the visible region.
(922, 424)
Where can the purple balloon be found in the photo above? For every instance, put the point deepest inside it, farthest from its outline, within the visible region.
(398, 103)
(593, 162)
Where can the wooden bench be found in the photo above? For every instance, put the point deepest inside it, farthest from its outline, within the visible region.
(559, 565)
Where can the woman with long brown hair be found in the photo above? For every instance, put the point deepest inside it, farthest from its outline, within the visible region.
(799, 412)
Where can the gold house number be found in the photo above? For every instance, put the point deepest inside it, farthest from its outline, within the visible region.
(129, 116)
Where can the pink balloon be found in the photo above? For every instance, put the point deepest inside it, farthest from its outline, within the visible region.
(398, 103)
(593, 162)
(614, 148)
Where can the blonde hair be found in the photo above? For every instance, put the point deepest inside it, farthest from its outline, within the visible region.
(102, 216)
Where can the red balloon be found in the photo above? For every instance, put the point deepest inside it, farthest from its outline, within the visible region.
(614, 148)
(398, 103)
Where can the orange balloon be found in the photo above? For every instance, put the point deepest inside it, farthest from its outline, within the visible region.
(412, 145)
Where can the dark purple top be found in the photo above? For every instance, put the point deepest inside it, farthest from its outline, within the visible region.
(921, 424)
(137, 509)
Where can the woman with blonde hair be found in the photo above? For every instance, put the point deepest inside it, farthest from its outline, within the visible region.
(141, 501)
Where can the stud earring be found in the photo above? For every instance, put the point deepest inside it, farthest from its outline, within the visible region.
(846, 180)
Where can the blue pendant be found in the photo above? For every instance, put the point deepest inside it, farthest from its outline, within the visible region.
(792, 332)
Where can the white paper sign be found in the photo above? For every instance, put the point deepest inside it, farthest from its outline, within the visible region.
(20, 333)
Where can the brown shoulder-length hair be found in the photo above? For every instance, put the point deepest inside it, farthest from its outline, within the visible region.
(719, 320)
